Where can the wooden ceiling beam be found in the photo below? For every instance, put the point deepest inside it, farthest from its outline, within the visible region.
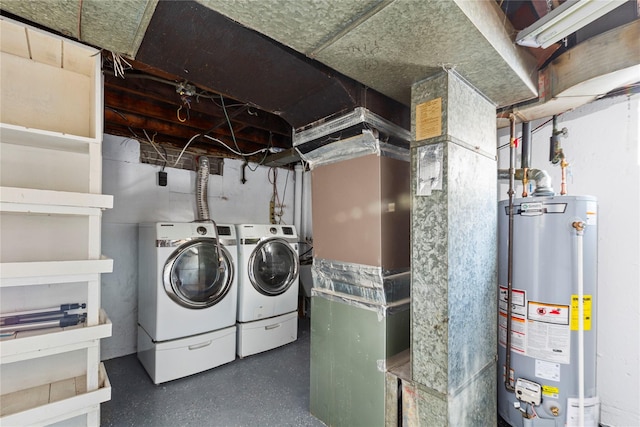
(166, 130)
(209, 149)
(144, 86)
(197, 122)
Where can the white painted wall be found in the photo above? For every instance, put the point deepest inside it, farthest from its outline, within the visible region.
(602, 149)
(138, 198)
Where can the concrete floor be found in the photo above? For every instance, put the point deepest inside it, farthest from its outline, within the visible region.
(267, 389)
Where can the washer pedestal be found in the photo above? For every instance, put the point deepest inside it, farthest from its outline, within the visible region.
(169, 360)
(262, 335)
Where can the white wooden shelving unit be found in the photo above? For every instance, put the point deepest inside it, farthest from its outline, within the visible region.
(50, 215)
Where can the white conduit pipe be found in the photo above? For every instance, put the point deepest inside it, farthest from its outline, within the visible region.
(579, 226)
(297, 199)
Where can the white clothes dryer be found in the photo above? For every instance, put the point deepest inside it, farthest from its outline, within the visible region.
(268, 268)
(187, 298)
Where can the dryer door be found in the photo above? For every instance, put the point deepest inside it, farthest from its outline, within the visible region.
(273, 267)
(195, 277)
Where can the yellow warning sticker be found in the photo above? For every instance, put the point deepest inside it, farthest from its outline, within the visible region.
(586, 306)
(429, 119)
(550, 391)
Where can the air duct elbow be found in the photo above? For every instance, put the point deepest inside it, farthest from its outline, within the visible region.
(543, 182)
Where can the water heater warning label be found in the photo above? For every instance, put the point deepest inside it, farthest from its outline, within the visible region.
(548, 333)
(518, 319)
(549, 313)
(586, 312)
(518, 333)
(518, 301)
(550, 391)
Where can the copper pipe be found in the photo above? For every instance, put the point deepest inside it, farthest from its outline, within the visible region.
(563, 182)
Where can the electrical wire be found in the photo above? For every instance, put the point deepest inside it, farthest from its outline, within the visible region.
(305, 252)
(284, 194)
(305, 164)
(185, 147)
(226, 115)
(235, 141)
(239, 153)
(117, 63)
(165, 154)
(260, 163)
(143, 76)
(164, 157)
(541, 125)
(118, 67)
(275, 198)
(125, 118)
(213, 99)
(266, 153)
(152, 142)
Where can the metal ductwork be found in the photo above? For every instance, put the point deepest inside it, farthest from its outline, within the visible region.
(248, 66)
(202, 185)
(354, 134)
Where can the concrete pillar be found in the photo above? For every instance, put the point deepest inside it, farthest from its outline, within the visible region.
(453, 223)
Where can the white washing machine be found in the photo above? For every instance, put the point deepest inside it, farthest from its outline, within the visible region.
(267, 287)
(187, 298)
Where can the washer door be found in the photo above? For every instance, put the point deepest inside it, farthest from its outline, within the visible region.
(195, 277)
(273, 266)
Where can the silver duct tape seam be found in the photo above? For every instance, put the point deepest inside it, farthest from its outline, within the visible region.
(357, 146)
(360, 116)
(360, 274)
(382, 311)
(362, 282)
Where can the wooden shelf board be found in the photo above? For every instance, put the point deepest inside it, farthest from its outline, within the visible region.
(20, 135)
(9, 270)
(50, 199)
(45, 342)
(38, 405)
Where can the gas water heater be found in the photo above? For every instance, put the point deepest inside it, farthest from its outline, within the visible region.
(549, 377)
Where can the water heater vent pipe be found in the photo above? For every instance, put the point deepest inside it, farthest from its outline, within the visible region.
(525, 159)
(543, 182)
(540, 176)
